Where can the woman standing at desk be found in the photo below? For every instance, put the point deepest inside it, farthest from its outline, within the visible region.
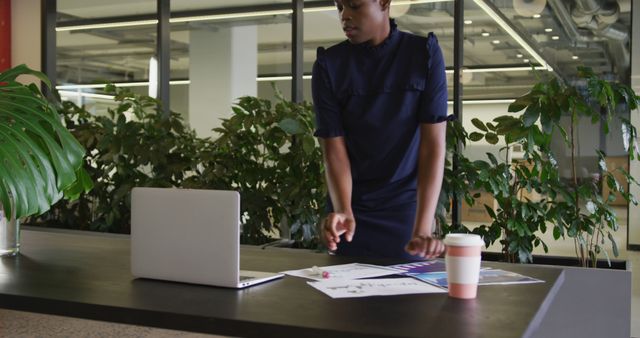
(381, 102)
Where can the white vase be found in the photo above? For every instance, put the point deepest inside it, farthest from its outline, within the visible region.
(9, 234)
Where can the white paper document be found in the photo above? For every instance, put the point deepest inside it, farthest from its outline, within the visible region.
(344, 272)
(343, 288)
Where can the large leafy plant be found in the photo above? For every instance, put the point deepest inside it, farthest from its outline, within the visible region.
(575, 207)
(263, 150)
(40, 160)
(134, 144)
(518, 219)
(456, 182)
(268, 153)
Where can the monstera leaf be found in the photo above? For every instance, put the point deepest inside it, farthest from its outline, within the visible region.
(39, 158)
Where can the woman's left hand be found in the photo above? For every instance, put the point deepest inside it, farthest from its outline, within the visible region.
(425, 246)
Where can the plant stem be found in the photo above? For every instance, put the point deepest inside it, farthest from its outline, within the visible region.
(595, 254)
(575, 176)
(590, 247)
(575, 246)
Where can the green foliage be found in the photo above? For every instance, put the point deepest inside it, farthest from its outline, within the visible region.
(144, 149)
(41, 161)
(518, 220)
(265, 152)
(268, 153)
(543, 107)
(455, 182)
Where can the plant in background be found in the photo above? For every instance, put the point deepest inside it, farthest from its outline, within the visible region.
(40, 160)
(517, 220)
(519, 217)
(578, 208)
(455, 183)
(147, 149)
(268, 153)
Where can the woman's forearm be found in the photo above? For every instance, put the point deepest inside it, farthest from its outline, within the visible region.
(337, 173)
(430, 172)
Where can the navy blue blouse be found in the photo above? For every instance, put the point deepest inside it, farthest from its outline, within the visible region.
(377, 97)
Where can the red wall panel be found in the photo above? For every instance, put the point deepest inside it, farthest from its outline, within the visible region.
(5, 34)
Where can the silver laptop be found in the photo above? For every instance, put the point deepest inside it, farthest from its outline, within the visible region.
(190, 236)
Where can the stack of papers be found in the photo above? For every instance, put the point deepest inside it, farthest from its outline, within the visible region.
(434, 265)
(434, 272)
(345, 272)
(487, 277)
(356, 280)
(374, 287)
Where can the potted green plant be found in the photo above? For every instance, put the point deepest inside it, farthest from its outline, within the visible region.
(263, 150)
(516, 219)
(580, 209)
(147, 148)
(41, 161)
(576, 208)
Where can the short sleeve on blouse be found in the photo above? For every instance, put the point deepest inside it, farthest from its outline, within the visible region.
(433, 101)
(325, 103)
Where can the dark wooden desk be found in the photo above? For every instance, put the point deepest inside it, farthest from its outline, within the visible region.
(87, 275)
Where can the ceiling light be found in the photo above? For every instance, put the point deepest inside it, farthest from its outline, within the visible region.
(117, 84)
(490, 101)
(279, 78)
(526, 60)
(108, 25)
(485, 34)
(83, 94)
(498, 69)
(555, 37)
(536, 16)
(495, 42)
(501, 21)
(575, 57)
(468, 22)
(172, 82)
(231, 16)
(548, 30)
(519, 56)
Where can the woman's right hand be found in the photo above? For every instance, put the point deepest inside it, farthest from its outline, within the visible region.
(335, 225)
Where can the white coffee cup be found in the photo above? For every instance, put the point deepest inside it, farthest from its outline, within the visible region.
(462, 262)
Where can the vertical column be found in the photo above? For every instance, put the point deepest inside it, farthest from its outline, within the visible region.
(48, 52)
(458, 60)
(163, 55)
(223, 67)
(297, 34)
(633, 240)
(25, 34)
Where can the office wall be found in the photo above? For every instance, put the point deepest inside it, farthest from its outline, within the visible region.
(25, 34)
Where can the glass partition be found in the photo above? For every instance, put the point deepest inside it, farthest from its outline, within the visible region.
(224, 50)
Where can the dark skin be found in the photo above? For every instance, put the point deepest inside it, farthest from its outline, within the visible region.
(367, 21)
